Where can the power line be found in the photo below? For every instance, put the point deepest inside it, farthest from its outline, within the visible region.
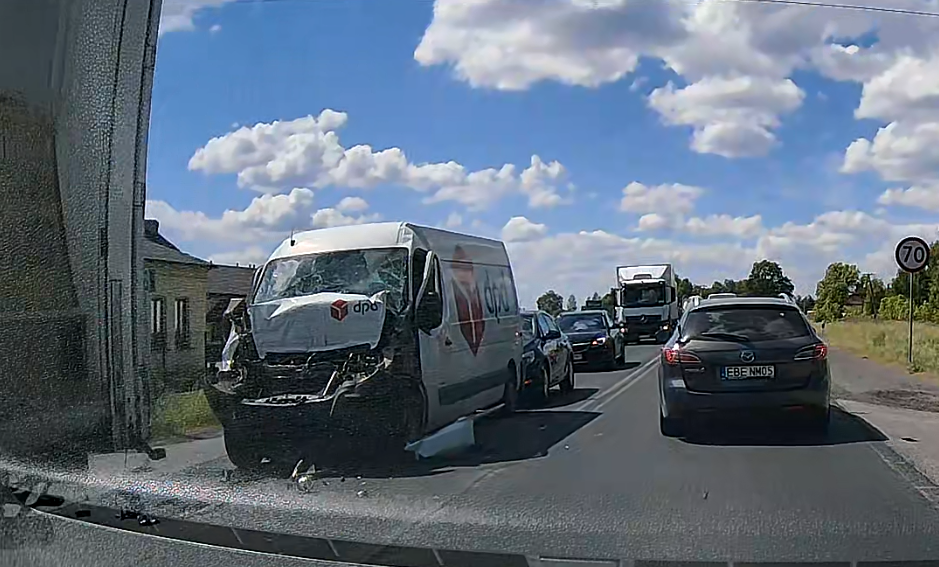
(858, 7)
(805, 3)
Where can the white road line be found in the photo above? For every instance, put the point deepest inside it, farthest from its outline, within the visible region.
(613, 391)
(639, 375)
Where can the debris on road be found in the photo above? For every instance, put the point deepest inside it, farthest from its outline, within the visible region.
(454, 437)
(362, 494)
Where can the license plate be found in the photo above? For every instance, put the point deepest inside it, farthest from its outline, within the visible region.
(748, 372)
(578, 357)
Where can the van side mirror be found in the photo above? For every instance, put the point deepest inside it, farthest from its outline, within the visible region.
(425, 280)
(552, 334)
(429, 314)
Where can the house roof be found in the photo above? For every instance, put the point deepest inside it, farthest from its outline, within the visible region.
(230, 280)
(155, 247)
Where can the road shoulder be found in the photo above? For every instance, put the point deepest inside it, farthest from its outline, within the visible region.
(904, 408)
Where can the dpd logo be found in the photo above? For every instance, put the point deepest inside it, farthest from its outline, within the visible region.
(340, 308)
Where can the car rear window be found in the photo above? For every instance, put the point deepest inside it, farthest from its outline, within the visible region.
(581, 323)
(754, 323)
(528, 326)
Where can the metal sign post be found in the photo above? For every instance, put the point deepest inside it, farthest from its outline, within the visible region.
(912, 255)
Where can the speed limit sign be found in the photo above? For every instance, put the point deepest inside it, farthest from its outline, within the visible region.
(912, 254)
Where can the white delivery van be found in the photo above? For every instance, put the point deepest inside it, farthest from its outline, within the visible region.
(385, 330)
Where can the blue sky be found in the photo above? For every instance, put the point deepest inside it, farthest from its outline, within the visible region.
(491, 87)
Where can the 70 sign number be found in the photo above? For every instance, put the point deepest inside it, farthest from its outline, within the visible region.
(912, 254)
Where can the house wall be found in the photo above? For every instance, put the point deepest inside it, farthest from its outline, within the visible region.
(173, 368)
(76, 77)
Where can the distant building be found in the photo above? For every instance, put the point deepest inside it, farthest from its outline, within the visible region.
(854, 300)
(177, 285)
(224, 284)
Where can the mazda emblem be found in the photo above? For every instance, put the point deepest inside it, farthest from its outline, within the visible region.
(747, 356)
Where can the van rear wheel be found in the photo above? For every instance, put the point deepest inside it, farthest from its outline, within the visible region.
(567, 385)
(510, 394)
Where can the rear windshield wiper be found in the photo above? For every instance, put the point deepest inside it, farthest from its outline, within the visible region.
(722, 336)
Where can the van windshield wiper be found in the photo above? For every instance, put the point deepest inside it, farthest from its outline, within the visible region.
(722, 336)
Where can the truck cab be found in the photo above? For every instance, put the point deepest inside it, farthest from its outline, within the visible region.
(647, 301)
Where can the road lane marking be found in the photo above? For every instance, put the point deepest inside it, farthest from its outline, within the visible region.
(595, 402)
(637, 376)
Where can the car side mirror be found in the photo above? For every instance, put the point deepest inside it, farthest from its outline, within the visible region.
(429, 314)
(552, 335)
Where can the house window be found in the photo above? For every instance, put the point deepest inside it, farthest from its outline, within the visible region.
(182, 323)
(149, 281)
(158, 321)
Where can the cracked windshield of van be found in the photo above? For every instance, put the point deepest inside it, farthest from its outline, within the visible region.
(469, 282)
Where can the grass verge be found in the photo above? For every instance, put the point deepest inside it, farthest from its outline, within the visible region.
(888, 342)
(180, 415)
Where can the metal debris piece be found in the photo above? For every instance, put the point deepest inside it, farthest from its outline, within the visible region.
(265, 460)
(910, 439)
(305, 483)
(457, 436)
(705, 495)
(362, 494)
(567, 447)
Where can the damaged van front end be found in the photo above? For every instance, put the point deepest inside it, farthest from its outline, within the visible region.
(328, 366)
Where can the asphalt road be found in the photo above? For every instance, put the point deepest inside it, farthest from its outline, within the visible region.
(590, 476)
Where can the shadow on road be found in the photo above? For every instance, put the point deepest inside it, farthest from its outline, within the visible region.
(599, 368)
(559, 400)
(782, 431)
(518, 437)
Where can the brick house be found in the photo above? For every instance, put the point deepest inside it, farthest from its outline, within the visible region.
(224, 284)
(177, 285)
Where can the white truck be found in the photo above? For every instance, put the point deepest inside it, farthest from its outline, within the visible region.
(647, 301)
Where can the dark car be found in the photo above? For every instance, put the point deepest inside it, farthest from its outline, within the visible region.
(547, 355)
(594, 336)
(743, 354)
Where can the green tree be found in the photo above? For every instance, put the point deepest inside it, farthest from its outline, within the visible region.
(805, 302)
(873, 289)
(840, 281)
(685, 289)
(767, 280)
(571, 303)
(595, 297)
(609, 303)
(551, 302)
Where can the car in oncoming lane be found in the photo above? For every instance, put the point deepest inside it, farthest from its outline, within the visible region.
(594, 336)
(547, 355)
(745, 354)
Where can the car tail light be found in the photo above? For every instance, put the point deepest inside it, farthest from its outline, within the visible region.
(675, 356)
(814, 352)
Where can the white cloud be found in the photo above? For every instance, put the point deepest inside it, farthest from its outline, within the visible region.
(265, 217)
(662, 199)
(738, 59)
(725, 225)
(177, 15)
(654, 221)
(251, 256)
(352, 205)
(920, 196)
(215, 28)
(328, 218)
(520, 229)
(307, 151)
(731, 117)
(583, 262)
(454, 220)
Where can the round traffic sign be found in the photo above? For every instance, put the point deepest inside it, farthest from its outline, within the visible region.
(912, 254)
